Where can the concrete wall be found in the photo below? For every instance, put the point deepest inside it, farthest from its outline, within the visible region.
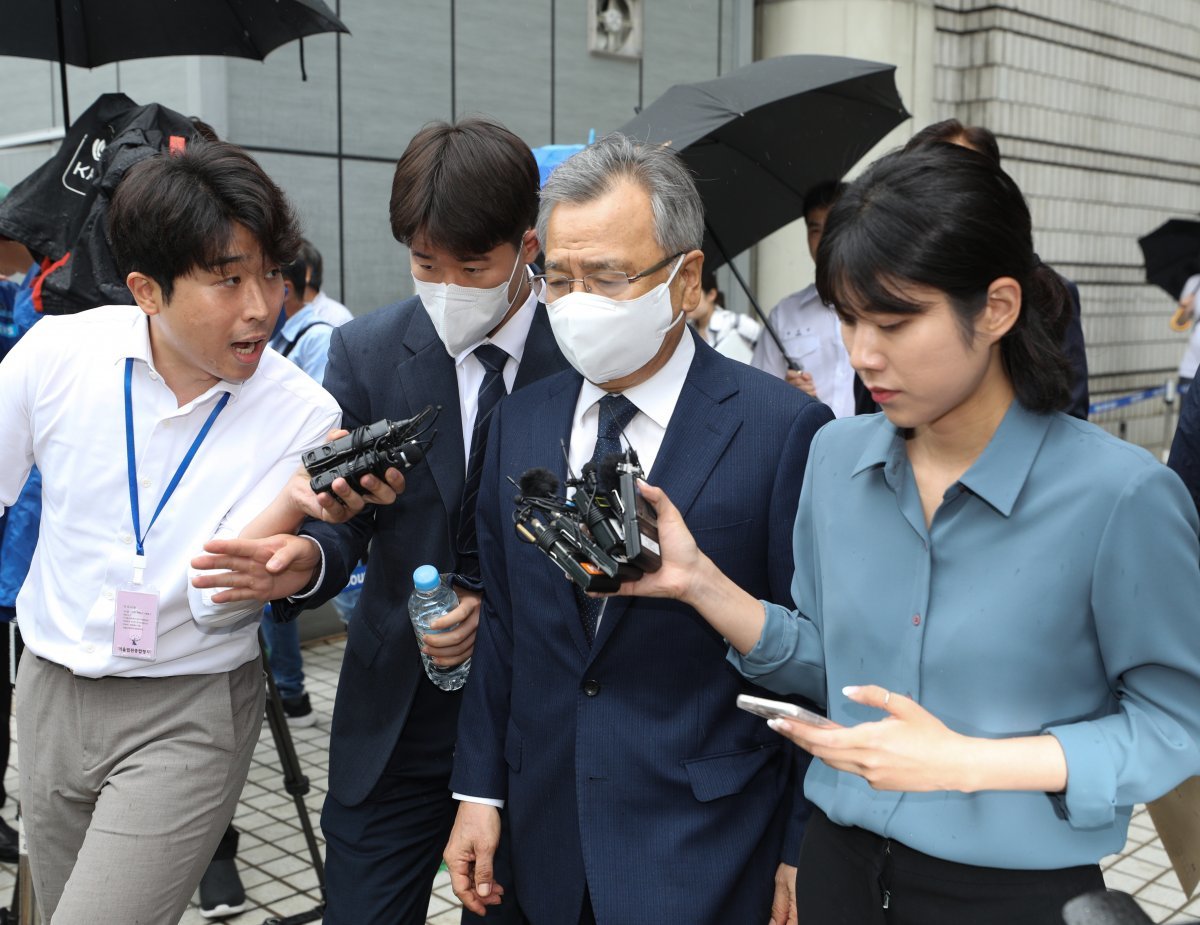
(1096, 104)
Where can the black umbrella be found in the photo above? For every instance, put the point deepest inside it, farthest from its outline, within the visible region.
(760, 137)
(89, 33)
(1172, 254)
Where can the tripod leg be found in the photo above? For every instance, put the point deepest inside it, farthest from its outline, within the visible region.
(295, 783)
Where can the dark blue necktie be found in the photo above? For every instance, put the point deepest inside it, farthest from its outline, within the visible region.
(616, 411)
(491, 390)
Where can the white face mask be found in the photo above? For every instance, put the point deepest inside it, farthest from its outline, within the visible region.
(605, 339)
(463, 315)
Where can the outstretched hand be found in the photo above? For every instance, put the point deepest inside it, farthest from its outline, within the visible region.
(257, 569)
(910, 749)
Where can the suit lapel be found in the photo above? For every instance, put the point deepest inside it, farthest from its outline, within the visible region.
(548, 433)
(428, 378)
(701, 427)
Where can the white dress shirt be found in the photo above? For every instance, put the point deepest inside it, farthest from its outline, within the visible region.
(62, 408)
(330, 310)
(733, 335)
(655, 399)
(812, 336)
(511, 339)
(1191, 356)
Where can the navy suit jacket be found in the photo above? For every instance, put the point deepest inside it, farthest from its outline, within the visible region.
(627, 762)
(391, 364)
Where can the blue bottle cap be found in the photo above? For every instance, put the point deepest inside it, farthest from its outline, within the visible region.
(426, 578)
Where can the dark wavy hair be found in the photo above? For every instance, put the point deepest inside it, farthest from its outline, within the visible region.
(174, 213)
(467, 187)
(946, 217)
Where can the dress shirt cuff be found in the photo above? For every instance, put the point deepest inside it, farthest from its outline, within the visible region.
(463, 798)
(1089, 801)
(320, 579)
(774, 647)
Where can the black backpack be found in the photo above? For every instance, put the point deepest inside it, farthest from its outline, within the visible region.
(59, 211)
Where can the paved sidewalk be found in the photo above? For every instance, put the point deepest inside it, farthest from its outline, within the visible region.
(275, 867)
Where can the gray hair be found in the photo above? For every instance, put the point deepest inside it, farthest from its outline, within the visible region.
(594, 171)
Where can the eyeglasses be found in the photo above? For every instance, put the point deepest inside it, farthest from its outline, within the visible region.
(612, 284)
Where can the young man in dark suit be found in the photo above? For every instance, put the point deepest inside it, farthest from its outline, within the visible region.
(634, 788)
(464, 201)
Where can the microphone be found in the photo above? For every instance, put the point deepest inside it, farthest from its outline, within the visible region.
(597, 514)
(550, 523)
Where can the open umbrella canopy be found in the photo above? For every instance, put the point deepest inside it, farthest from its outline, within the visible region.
(1172, 254)
(758, 138)
(96, 32)
(89, 33)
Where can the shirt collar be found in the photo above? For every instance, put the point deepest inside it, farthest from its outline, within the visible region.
(997, 476)
(135, 343)
(292, 326)
(512, 336)
(1000, 472)
(657, 396)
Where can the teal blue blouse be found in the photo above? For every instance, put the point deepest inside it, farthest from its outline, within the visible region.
(1056, 591)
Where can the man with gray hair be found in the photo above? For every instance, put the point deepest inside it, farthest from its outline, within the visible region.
(635, 790)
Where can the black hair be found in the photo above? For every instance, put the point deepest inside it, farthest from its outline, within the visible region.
(948, 218)
(296, 274)
(465, 188)
(175, 212)
(952, 131)
(316, 264)
(823, 195)
(708, 282)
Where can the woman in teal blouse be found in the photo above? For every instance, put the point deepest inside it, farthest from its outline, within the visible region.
(996, 603)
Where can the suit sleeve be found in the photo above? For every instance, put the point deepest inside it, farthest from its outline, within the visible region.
(479, 768)
(342, 545)
(789, 477)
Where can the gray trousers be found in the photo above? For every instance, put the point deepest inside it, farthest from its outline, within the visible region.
(127, 785)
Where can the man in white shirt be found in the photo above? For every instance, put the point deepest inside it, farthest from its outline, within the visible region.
(809, 329)
(1188, 310)
(635, 790)
(324, 306)
(156, 427)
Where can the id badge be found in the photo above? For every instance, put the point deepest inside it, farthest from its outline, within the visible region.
(135, 627)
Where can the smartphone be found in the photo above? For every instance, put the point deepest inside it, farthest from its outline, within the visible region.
(771, 709)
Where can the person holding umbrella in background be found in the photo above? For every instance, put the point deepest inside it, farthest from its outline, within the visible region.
(809, 330)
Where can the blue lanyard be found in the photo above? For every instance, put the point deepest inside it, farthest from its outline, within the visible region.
(132, 460)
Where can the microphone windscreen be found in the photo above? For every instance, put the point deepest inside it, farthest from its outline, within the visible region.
(538, 483)
(588, 471)
(607, 478)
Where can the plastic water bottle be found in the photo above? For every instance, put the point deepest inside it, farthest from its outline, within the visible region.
(431, 598)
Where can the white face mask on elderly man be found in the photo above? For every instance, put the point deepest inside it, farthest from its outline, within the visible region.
(462, 315)
(606, 339)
